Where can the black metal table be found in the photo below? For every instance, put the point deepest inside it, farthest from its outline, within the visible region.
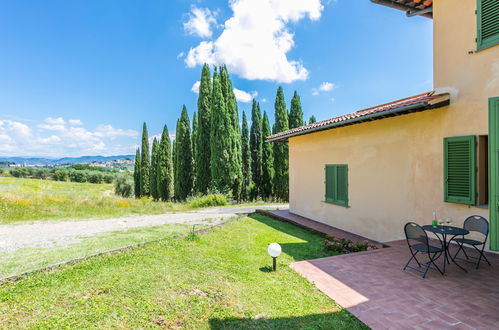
(445, 231)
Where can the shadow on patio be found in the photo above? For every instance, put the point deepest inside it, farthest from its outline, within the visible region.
(374, 288)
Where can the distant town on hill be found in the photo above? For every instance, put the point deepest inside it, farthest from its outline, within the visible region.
(41, 161)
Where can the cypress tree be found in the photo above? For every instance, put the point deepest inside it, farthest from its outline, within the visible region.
(312, 120)
(256, 140)
(136, 174)
(183, 151)
(295, 113)
(154, 170)
(266, 185)
(194, 148)
(202, 138)
(246, 159)
(220, 143)
(165, 167)
(145, 165)
(281, 184)
(234, 134)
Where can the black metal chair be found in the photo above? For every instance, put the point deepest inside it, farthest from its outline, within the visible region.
(477, 224)
(418, 242)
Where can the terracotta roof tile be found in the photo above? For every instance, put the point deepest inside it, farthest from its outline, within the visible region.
(420, 102)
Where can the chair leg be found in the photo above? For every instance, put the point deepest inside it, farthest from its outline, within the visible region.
(482, 255)
(427, 268)
(412, 257)
(459, 250)
(432, 260)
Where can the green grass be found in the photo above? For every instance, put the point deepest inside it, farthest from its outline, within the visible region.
(219, 279)
(24, 260)
(24, 200)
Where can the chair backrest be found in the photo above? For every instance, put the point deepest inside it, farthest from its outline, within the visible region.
(477, 223)
(414, 232)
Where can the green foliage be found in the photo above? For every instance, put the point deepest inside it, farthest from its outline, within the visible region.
(78, 176)
(60, 174)
(266, 185)
(183, 182)
(136, 174)
(344, 245)
(312, 120)
(246, 159)
(203, 134)
(95, 177)
(281, 184)
(123, 186)
(233, 134)
(165, 167)
(208, 200)
(194, 148)
(145, 165)
(20, 172)
(256, 147)
(154, 170)
(295, 113)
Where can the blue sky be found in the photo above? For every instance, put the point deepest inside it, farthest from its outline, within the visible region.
(79, 77)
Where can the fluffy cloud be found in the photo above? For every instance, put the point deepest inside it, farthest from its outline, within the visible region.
(324, 87)
(241, 96)
(200, 22)
(58, 137)
(256, 39)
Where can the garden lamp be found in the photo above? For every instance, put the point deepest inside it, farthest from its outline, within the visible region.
(274, 251)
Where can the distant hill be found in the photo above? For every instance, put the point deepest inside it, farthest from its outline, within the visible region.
(63, 161)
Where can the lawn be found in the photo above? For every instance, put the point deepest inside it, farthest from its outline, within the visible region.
(219, 279)
(24, 200)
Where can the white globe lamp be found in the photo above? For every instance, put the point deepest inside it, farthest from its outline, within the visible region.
(274, 251)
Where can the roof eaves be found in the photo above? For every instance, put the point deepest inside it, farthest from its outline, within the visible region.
(421, 106)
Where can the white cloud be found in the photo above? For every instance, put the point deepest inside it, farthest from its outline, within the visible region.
(200, 22)
(195, 87)
(56, 137)
(243, 96)
(180, 55)
(264, 100)
(326, 86)
(256, 39)
(75, 122)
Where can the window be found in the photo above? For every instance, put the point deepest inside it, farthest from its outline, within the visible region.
(487, 23)
(460, 170)
(336, 184)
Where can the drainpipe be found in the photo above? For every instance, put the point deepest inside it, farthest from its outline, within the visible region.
(421, 12)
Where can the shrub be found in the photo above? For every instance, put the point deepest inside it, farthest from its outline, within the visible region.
(41, 173)
(108, 178)
(123, 186)
(95, 177)
(343, 245)
(208, 200)
(19, 172)
(60, 174)
(78, 176)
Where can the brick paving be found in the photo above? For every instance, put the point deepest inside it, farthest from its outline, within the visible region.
(373, 287)
(285, 215)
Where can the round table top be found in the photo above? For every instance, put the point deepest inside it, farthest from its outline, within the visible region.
(446, 230)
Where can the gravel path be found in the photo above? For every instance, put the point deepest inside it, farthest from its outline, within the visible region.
(48, 234)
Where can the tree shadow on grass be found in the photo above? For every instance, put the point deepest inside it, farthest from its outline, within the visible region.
(311, 248)
(339, 320)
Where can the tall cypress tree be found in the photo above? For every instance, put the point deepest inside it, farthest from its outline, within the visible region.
(183, 150)
(220, 141)
(194, 149)
(235, 166)
(202, 138)
(165, 167)
(154, 170)
(266, 185)
(312, 120)
(145, 165)
(256, 145)
(246, 159)
(136, 174)
(295, 113)
(281, 184)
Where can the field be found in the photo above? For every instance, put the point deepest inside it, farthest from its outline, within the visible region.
(32, 199)
(220, 279)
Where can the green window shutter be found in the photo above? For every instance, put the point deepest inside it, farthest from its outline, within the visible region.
(330, 183)
(336, 182)
(342, 185)
(460, 170)
(487, 23)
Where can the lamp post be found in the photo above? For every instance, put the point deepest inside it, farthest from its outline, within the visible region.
(274, 251)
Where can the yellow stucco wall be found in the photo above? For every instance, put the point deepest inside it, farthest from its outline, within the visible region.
(396, 164)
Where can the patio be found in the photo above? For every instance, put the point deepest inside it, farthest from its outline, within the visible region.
(373, 287)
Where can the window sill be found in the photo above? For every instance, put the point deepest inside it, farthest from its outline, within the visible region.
(337, 204)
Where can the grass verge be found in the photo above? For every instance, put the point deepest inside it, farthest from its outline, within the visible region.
(220, 279)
